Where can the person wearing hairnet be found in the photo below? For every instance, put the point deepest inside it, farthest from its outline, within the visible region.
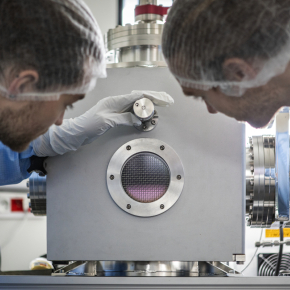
(51, 54)
(233, 54)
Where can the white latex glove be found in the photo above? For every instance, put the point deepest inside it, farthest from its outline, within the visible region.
(107, 113)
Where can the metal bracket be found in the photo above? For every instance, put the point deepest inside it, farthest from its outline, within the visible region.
(67, 268)
(240, 259)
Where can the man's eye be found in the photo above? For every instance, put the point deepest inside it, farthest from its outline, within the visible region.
(69, 107)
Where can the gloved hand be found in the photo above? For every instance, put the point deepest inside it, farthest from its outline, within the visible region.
(107, 113)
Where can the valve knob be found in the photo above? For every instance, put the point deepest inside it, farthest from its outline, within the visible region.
(144, 109)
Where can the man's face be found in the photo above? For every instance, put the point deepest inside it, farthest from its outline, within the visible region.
(256, 106)
(23, 121)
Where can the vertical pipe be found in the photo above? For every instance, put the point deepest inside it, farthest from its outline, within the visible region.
(145, 2)
(282, 165)
(280, 251)
(120, 12)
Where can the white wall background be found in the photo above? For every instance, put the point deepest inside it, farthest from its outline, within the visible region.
(106, 13)
(22, 235)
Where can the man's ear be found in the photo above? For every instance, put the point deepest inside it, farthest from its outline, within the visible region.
(236, 69)
(23, 82)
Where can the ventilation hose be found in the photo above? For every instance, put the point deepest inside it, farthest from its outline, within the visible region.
(280, 251)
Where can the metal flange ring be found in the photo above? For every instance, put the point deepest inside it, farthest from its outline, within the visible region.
(145, 177)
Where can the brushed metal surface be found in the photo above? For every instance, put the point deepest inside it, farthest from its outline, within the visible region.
(207, 221)
(144, 109)
(136, 45)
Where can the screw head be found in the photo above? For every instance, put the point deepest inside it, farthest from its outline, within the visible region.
(178, 177)
(153, 122)
(162, 206)
(128, 206)
(137, 104)
(162, 147)
(112, 177)
(128, 147)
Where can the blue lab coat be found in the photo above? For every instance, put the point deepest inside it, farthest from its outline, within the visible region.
(14, 165)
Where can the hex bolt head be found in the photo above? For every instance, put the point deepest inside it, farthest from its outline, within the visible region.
(128, 206)
(112, 177)
(178, 177)
(162, 147)
(153, 122)
(162, 206)
(128, 147)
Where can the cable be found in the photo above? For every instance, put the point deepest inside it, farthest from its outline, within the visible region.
(280, 251)
(254, 253)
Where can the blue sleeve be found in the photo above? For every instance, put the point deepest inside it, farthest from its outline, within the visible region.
(14, 165)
